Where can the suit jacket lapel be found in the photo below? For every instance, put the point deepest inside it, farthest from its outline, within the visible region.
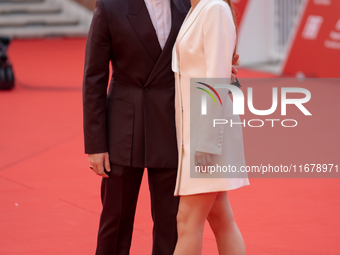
(140, 20)
(178, 13)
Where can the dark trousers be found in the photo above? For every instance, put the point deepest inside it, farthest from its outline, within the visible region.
(119, 195)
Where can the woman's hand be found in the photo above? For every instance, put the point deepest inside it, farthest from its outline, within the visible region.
(203, 159)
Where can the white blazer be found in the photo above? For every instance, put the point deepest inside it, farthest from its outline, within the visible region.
(204, 49)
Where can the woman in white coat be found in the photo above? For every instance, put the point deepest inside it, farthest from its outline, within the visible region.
(204, 48)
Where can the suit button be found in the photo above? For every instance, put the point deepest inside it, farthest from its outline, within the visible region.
(146, 89)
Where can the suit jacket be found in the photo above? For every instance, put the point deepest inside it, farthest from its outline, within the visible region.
(204, 49)
(134, 119)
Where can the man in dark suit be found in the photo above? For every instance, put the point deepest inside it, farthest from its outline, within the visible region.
(131, 126)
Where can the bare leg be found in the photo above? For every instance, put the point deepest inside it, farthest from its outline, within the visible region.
(192, 213)
(221, 219)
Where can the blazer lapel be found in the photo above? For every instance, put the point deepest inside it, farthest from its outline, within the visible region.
(178, 13)
(189, 20)
(140, 20)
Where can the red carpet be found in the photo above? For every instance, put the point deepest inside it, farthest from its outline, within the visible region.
(50, 200)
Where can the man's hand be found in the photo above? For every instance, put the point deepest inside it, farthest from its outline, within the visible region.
(235, 62)
(98, 162)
